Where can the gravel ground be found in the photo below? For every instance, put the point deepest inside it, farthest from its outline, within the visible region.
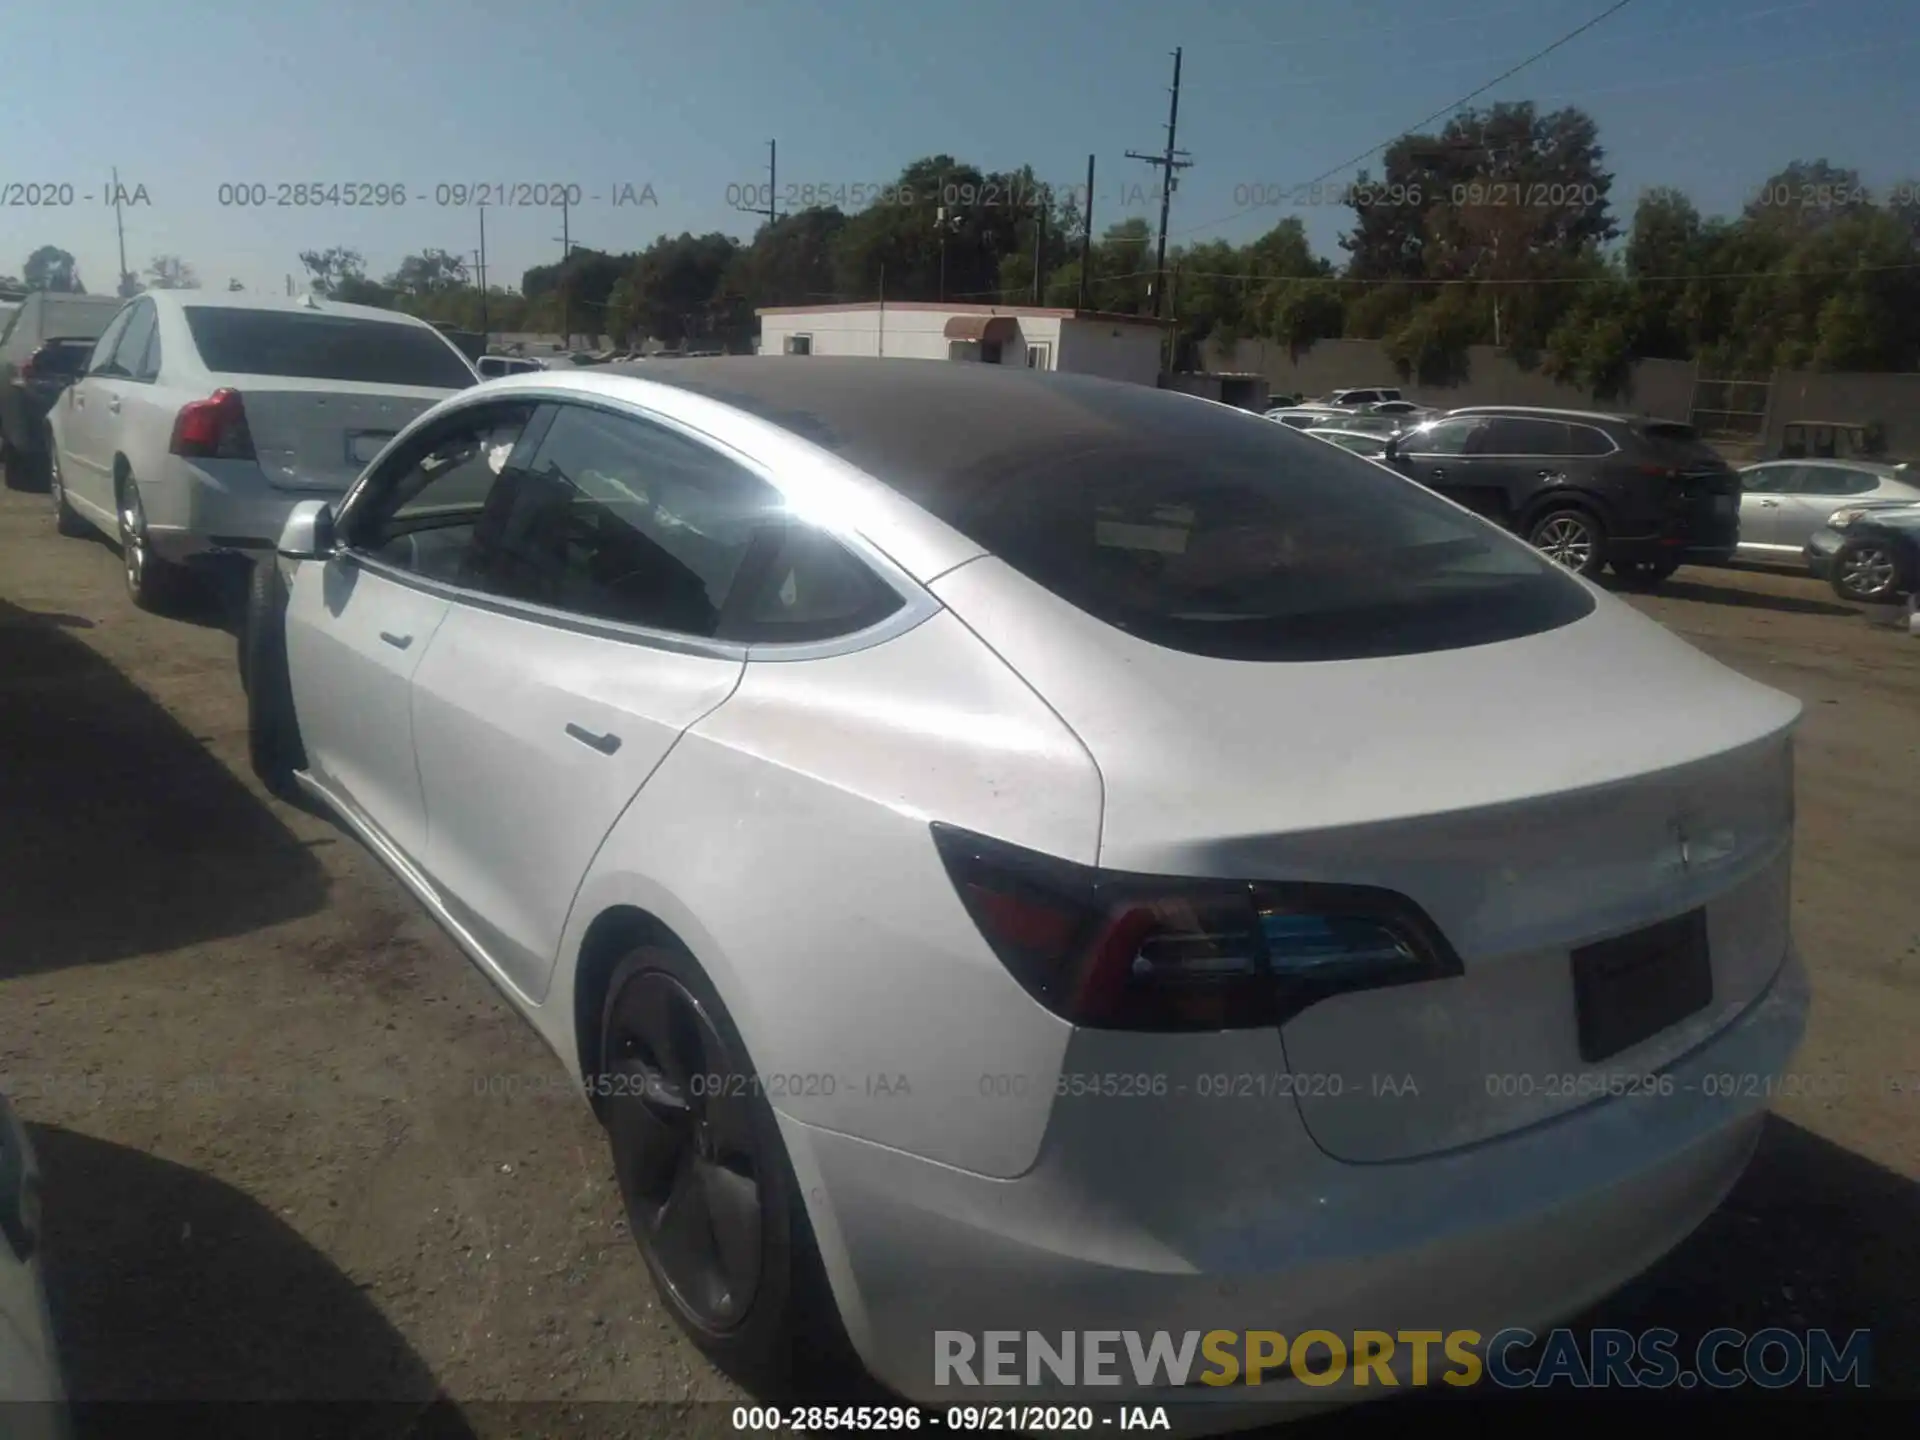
(258, 1076)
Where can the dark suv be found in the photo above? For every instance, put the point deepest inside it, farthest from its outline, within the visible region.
(1645, 496)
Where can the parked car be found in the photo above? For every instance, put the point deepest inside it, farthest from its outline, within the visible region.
(1363, 424)
(1399, 407)
(26, 397)
(32, 1394)
(1282, 402)
(1784, 502)
(1305, 416)
(1869, 553)
(205, 416)
(491, 367)
(1357, 441)
(1361, 398)
(1589, 489)
(940, 739)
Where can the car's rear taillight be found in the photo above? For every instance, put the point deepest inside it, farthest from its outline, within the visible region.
(213, 429)
(1114, 951)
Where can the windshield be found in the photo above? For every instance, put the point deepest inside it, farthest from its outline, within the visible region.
(324, 347)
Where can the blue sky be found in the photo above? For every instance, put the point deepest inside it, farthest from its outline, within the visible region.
(1710, 95)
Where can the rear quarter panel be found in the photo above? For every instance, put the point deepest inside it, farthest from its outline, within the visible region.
(786, 841)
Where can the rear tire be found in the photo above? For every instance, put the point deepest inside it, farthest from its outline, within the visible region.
(689, 1129)
(154, 584)
(25, 471)
(66, 519)
(1572, 537)
(273, 730)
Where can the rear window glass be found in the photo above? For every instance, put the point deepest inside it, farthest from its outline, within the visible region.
(324, 347)
(1680, 445)
(1248, 543)
(78, 319)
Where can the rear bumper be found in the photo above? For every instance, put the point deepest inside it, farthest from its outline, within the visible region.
(197, 512)
(1117, 1228)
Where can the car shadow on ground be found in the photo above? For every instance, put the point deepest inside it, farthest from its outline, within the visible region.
(120, 834)
(176, 1298)
(1814, 1237)
(1710, 594)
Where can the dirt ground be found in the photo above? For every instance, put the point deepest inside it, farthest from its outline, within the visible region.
(257, 1075)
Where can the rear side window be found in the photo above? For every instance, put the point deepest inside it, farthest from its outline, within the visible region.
(1681, 445)
(1259, 546)
(324, 347)
(1510, 436)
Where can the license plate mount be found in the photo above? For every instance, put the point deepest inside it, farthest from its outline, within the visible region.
(1630, 988)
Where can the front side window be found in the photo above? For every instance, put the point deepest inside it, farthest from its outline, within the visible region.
(1769, 479)
(616, 519)
(799, 345)
(422, 510)
(1445, 437)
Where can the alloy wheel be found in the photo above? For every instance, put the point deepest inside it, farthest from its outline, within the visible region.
(679, 1109)
(1567, 540)
(133, 538)
(1867, 571)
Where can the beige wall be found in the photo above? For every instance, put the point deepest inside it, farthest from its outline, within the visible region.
(1111, 352)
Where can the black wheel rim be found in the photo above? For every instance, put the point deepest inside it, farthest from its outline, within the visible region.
(679, 1112)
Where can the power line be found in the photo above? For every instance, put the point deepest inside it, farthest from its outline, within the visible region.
(1468, 98)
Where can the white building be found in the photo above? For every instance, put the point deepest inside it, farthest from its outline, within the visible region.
(1085, 342)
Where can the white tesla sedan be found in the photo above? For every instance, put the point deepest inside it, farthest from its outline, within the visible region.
(1023, 852)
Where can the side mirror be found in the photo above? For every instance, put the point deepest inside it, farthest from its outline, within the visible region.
(308, 533)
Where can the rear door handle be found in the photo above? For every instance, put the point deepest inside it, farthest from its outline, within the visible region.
(399, 642)
(1770, 504)
(114, 404)
(605, 744)
(1552, 476)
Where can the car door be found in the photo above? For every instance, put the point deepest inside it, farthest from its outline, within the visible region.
(585, 650)
(1763, 490)
(1813, 494)
(1437, 455)
(86, 477)
(360, 622)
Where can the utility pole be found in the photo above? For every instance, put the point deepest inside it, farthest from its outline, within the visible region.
(772, 211)
(882, 348)
(120, 225)
(1171, 161)
(289, 287)
(480, 262)
(1040, 241)
(566, 289)
(1086, 238)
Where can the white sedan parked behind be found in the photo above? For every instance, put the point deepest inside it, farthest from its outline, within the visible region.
(205, 417)
(1007, 851)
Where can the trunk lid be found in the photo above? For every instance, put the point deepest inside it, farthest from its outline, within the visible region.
(1531, 795)
(319, 435)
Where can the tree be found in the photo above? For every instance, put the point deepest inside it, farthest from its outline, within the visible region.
(51, 268)
(790, 261)
(327, 270)
(1807, 195)
(428, 273)
(680, 289)
(170, 272)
